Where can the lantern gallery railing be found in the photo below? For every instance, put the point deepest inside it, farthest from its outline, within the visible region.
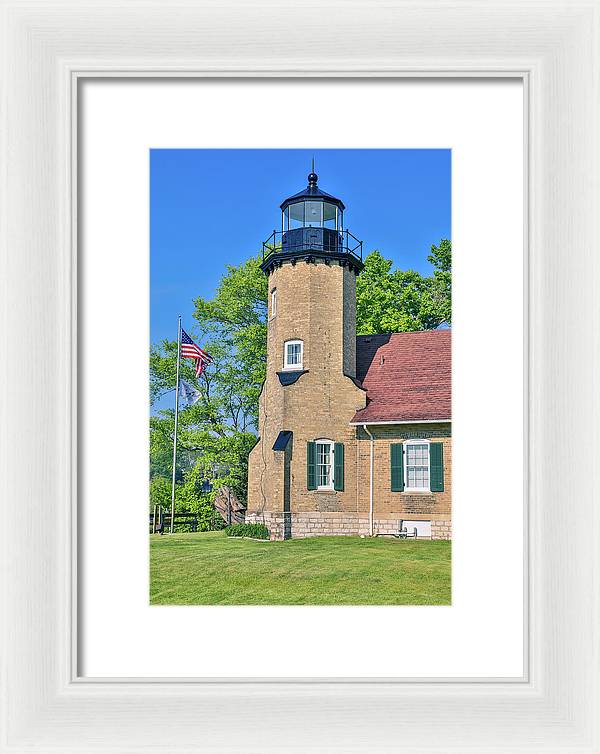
(321, 241)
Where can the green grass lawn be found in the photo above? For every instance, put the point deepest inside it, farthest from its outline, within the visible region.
(212, 569)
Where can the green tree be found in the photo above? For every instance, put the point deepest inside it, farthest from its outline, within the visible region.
(402, 301)
(216, 434)
(189, 497)
(160, 492)
(441, 285)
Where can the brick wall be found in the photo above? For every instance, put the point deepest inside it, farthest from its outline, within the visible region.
(316, 303)
(432, 506)
(322, 513)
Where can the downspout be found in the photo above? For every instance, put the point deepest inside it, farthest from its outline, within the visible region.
(371, 463)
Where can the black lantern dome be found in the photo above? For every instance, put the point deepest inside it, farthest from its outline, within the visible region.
(312, 207)
(312, 227)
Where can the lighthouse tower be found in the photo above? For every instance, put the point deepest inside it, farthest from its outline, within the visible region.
(302, 472)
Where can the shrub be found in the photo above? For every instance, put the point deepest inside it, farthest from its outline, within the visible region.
(190, 499)
(256, 531)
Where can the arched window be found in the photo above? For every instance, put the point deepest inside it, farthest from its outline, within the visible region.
(324, 463)
(293, 354)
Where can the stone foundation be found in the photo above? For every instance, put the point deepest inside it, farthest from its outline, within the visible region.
(328, 524)
(310, 524)
(441, 530)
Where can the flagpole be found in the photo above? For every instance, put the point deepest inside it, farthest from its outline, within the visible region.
(176, 421)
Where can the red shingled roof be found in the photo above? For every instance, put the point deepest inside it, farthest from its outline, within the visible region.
(407, 376)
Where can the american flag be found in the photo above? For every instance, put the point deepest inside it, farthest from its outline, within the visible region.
(189, 350)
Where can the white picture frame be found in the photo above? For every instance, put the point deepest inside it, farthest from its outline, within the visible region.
(553, 46)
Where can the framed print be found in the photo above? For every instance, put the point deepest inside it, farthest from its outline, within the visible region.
(417, 176)
(373, 550)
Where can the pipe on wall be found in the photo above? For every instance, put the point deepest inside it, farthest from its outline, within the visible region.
(371, 465)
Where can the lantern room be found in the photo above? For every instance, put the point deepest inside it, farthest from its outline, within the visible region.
(312, 227)
(312, 208)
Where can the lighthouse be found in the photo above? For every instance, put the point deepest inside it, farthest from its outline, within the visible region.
(299, 477)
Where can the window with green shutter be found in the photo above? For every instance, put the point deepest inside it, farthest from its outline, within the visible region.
(338, 467)
(311, 475)
(397, 466)
(436, 466)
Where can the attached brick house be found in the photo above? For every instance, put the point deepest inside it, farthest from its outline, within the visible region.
(355, 432)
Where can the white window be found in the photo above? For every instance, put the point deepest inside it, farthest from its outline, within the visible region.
(416, 466)
(292, 354)
(324, 459)
(273, 302)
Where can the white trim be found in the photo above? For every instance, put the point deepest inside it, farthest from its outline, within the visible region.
(412, 421)
(293, 367)
(405, 445)
(325, 487)
(273, 303)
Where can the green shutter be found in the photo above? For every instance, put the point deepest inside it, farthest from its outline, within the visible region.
(311, 470)
(436, 466)
(397, 466)
(338, 467)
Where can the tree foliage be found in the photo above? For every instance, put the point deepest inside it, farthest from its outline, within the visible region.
(160, 491)
(390, 300)
(217, 433)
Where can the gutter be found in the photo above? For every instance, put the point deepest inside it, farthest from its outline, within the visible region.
(404, 421)
(371, 464)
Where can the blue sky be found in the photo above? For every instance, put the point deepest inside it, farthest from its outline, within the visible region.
(212, 207)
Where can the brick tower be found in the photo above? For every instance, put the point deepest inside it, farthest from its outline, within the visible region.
(302, 472)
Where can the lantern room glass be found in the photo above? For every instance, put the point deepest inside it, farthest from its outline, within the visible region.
(296, 215)
(312, 214)
(330, 212)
